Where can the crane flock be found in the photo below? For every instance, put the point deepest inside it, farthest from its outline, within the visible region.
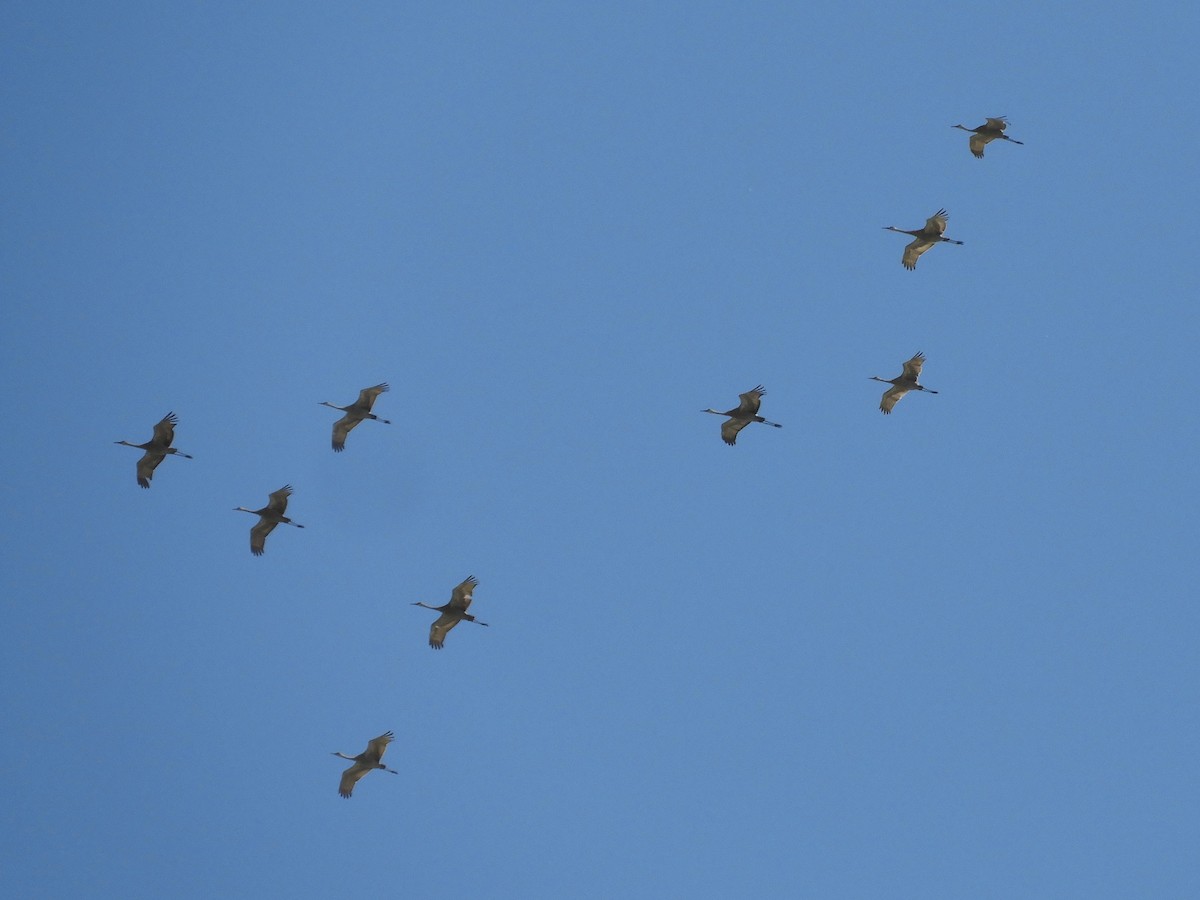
(451, 613)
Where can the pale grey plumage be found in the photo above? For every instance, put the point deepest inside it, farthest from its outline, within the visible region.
(452, 613)
(991, 130)
(365, 762)
(157, 449)
(926, 237)
(742, 415)
(903, 383)
(356, 412)
(269, 516)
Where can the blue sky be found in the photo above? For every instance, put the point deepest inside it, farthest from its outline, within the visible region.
(950, 652)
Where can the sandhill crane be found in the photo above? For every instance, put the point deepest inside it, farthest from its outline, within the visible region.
(363, 763)
(989, 131)
(926, 237)
(357, 411)
(157, 449)
(269, 516)
(452, 613)
(742, 415)
(906, 381)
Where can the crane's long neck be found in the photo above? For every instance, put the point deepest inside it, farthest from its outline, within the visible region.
(327, 403)
(254, 512)
(963, 127)
(884, 380)
(344, 756)
(427, 606)
(713, 411)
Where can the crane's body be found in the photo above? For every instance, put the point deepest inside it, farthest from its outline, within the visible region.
(452, 613)
(356, 412)
(903, 383)
(926, 237)
(991, 130)
(742, 415)
(157, 449)
(365, 762)
(268, 517)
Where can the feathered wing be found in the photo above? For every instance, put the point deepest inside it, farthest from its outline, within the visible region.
(258, 536)
(341, 428)
(912, 368)
(936, 224)
(279, 500)
(750, 401)
(367, 396)
(977, 143)
(913, 252)
(351, 777)
(891, 397)
(147, 464)
(439, 629)
(461, 597)
(377, 746)
(998, 123)
(164, 431)
(730, 429)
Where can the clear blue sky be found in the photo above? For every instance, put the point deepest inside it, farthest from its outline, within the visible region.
(950, 653)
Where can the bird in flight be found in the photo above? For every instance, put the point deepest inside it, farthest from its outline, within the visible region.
(157, 449)
(452, 613)
(742, 415)
(903, 383)
(992, 129)
(365, 762)
(354, 413)
(925, 238)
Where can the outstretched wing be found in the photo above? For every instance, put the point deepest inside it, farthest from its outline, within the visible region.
(164, 431)
(439, 629)
(341, 428)
(366, 397)
(351, 777)
(376, 746)
(279, 500)
(730, 429)
(461, 597)
(258, 536)
(936, 224)
(997, 123)
(977, 143)
(751, 400)
(913, 252)
(147, 464)
(891, 397)
(912, 368)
